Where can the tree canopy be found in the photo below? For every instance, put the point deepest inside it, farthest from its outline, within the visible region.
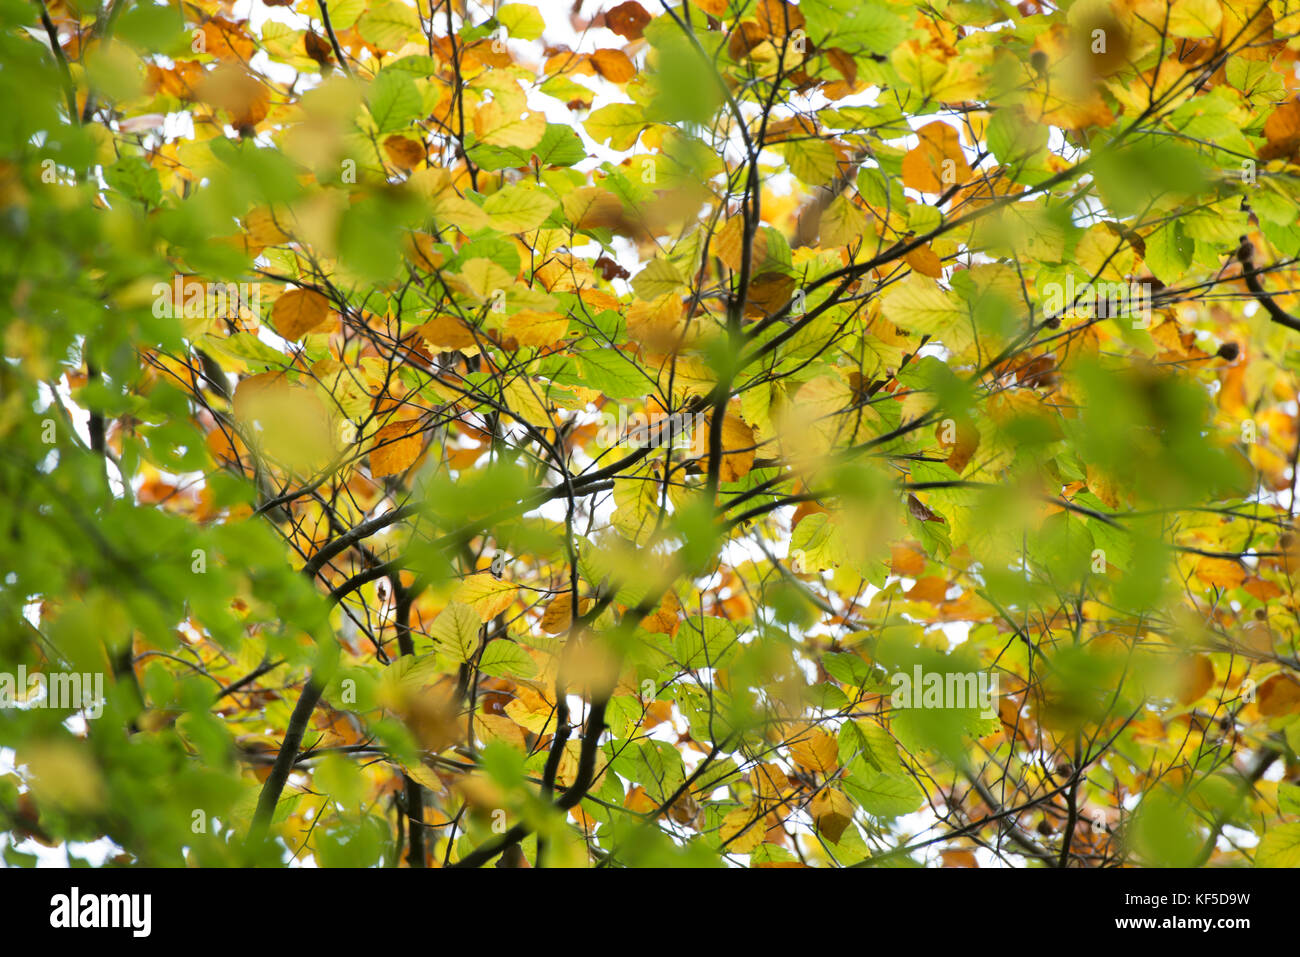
(710, 432)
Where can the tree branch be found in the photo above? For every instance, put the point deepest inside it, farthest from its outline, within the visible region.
(1246, 256)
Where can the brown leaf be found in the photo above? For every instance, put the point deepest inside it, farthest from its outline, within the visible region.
(920, 511)
(317, 47)
(769, 292)
(628, 20)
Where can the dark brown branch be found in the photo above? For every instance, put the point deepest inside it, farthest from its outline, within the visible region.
(284, 761)
(334, 40)
(413, 806)
(1246, 256)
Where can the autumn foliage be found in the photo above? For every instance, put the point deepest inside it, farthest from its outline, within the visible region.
(465, 433)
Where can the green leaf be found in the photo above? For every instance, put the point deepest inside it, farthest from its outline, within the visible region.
(882, 794)
(610, 372)
(522, 22)
(505, 659)
(859, 27)
(135, 178)
(394, 100)
(388, 23)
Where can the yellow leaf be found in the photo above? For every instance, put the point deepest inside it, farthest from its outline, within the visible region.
(525, 402)
(530, 709)
(658, 278)
(483, 279)
(811, 160)
(917, 304)
(727, 244)
(815, 750)
(448, 333)
(737, 449)
(457, 629)
(533, 328)
(1195, 18)
(558, 614)
(486, 594)
(262, 228)
(656, 324)
(741, 832)
(1195, 676)
(460, 212)
(497, 126)
(618, 123)
(832, 811)
(842, 223)
(286, 422)
(590, 207)
(518, 208)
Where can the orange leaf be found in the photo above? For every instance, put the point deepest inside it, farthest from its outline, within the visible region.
(404, 152)
(298, 312)
(937, 163)
(397, 445)
(613, 65)
(924, 260)
(906, 560)
(1278, 695)
(1195, 676)
(1220, 572)
(559, 612)
(1282, 130)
